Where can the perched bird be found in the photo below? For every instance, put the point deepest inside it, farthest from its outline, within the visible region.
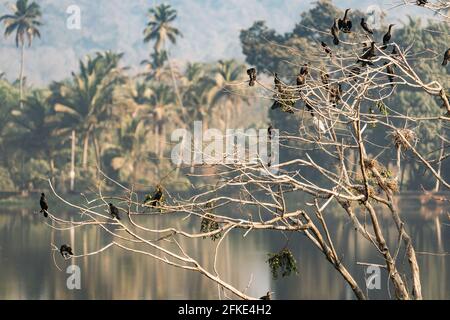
(326, 48)
(66, 251)
(325, 77)
(368, 55)
(421, 2)
(335, 32)
(365, 26)
(446, 57)
(390, 72)
(277, 83)
(304, 70)
(268, 296)
(387, 37)
(394, 51)
(252, 76)
(335, 93)
(156, 198)
(269, 131)
(300, 80)
(345, 24)
(44, 205)
(114, 211)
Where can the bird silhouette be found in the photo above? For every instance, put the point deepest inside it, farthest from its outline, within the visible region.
(335, 32)
(324, 77)
(267, 296)
(66, 251)
(300, 80)
(387, 37)
(446, 57)
(44, 205)
(155, 199)
(345, 24)
(394, 51)
(304, 70)
(269, 131)
(277, 83)
(368, 55)
(114, 211)
(252, 76)
(365, 26)
(326, 48)
(421, 2)
(335, 93)
(390, 72)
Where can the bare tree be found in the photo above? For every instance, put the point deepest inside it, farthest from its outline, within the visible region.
(336, 90)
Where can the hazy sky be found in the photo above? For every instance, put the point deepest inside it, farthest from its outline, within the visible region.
(210, 27)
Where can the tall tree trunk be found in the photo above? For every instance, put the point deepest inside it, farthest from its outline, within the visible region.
(22, 60)
(85, 150)
(72, 163)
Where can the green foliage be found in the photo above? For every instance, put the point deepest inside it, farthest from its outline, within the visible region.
(283, 263)
(208, 224)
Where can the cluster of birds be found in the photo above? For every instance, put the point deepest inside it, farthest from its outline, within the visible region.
(283, 97)
(150, 200)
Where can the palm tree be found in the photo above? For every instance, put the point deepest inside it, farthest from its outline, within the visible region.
(24, 21)
(161, 101)
(37, 129)
(86, 99)
(131, 150)
(159, 27)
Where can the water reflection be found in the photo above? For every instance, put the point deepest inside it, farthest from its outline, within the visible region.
(28, 271)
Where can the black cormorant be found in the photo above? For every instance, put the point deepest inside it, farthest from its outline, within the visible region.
(114, 211)
(268, 296)
(156, 198)
(368, 55)
(365, 26)
(252, 76)
(44, 205)
(345, 24)
(326, 48)
(387, 36)
(335, 32)
(446, 57)
(66, 251)
(390, 72)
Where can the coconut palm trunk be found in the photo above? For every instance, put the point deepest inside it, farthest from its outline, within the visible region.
(22, 63)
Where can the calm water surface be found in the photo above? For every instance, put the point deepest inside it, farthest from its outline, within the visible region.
(28, 270)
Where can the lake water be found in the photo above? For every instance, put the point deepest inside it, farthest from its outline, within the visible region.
(28, 271)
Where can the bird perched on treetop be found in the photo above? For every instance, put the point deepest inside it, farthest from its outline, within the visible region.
(365, 26)
(446, 57)
(252, 75)
(304, 70)
(269, 131)
(326, 48)
(156, 198)
(345, 24)
(66, 251)
(335, 32)
(114, 211)
(368, 55)
(44, 205)
(390, 72)
(268, 296)
(387, 37)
